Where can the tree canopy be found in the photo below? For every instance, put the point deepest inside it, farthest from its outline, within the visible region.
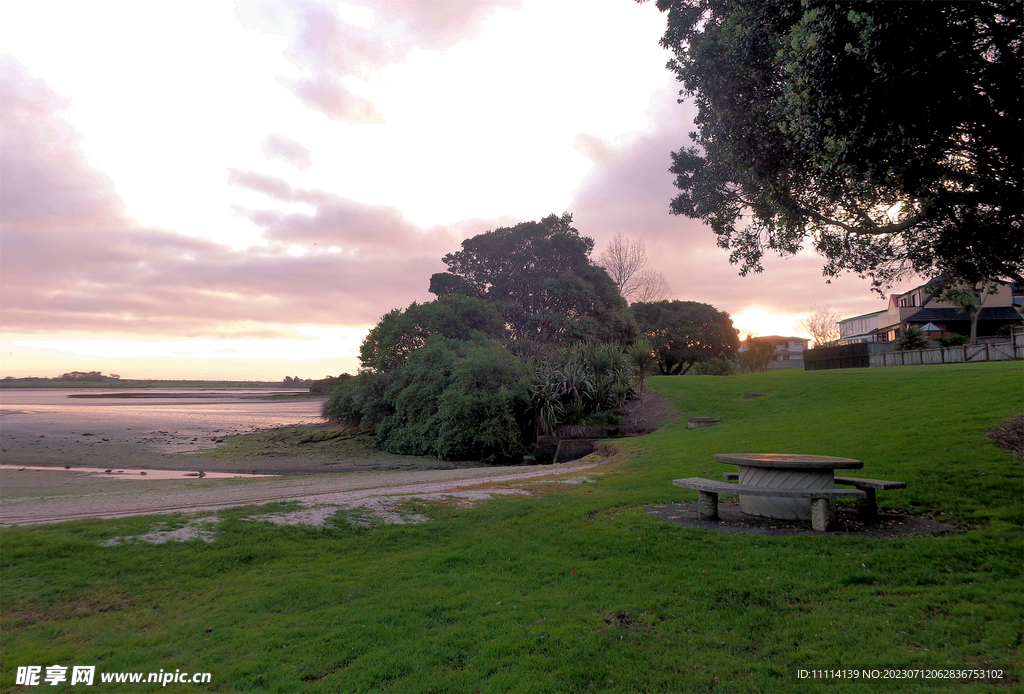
(685, 332)
(885, 134)
(539, 277)
(399, 333)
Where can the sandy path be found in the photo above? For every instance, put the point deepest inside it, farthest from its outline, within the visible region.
(119, 498)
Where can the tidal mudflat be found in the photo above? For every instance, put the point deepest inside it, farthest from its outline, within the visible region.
(59, 427)
(57, 445)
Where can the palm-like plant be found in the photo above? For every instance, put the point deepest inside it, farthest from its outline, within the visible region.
(965, 298)
(911, 338)
(640, 356)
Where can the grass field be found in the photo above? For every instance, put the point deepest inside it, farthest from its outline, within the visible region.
(576, 588)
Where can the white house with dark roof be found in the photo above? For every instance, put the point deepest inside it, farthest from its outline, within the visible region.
(859, 328)
(922, 305)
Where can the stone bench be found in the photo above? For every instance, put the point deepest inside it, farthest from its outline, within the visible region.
(707, 501)
(867, 508)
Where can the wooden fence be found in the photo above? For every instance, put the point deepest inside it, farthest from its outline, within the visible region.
(998, 351)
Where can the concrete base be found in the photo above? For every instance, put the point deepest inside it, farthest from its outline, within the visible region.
(783, 508)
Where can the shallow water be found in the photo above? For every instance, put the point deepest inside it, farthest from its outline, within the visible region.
(129, 474)
(162, 421)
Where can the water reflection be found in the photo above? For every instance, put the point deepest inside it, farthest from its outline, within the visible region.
(156, 420)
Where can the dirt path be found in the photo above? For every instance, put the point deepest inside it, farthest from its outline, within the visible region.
(62, 496)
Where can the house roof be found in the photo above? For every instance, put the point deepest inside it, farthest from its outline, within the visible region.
(781, 337)
(944, 315)
(863, 315)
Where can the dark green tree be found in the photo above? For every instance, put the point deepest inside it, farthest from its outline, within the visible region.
(885, 134)
(539, 277)
(683, 333)
(458, 400)
(400, 333)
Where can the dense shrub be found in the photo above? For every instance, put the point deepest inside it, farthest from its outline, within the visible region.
(455, 399)
(719, 366)
(359, 401)
(324, 386)
(911, 338)
(954, 340)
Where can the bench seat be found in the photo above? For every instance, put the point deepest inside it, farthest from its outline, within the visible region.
(867, 508)
(707, 502)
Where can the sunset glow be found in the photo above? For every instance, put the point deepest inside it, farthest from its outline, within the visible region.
(215, 183)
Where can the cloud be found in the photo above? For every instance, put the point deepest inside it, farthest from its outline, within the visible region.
(330, 49)
(72, 260)
(336, 221)
(280, 147)
(333, 99)
(593, 148)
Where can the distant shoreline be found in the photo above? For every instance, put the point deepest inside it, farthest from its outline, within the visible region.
(135, 383)
(289, 395)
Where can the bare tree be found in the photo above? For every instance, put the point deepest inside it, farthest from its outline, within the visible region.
(822, 324)
(625, 260)
(652, 286)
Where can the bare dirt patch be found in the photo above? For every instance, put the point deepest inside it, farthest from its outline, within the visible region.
(889, 525)
(1010, 435)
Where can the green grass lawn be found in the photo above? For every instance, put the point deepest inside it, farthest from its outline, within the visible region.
(576, 588)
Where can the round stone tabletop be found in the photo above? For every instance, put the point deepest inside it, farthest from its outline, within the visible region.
(788, 461)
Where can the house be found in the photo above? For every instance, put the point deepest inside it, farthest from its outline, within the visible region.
(921, 307)
(859, 328)
(789, 351)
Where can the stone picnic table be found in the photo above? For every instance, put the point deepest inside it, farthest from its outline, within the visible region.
(784, 471)
(788, 486)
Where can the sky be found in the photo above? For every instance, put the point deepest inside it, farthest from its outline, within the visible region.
(240, 190)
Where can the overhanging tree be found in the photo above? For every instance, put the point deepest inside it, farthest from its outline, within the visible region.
(886, 134)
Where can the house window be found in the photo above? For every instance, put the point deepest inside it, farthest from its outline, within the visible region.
(913, 300)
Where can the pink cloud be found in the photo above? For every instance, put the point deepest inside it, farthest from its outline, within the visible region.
(337, 221)
(280, 147)
(593, 148)
(333, 99)
(72, 260)
(331, 49)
